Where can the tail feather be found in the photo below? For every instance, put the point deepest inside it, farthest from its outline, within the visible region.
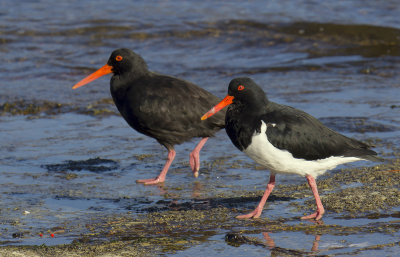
(373, 158)
(366, 154)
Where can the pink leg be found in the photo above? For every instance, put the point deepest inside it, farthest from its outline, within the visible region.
(194, 157)
(161, 177)
(257, 212)
(320, 209)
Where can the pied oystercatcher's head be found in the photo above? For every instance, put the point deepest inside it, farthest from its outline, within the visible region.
(241, 90)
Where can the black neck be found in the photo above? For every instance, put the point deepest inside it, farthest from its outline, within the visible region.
(242, 120)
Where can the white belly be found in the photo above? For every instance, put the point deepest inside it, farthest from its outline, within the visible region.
(282, 161)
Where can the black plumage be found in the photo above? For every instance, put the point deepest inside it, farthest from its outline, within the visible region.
(284, 139)
(299, 133)
(162, 107)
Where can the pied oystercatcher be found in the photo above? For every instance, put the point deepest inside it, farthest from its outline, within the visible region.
(162, 107)
(284, 139)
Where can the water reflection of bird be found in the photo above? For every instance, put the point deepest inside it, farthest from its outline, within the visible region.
(162, 107)
(284, 139)
(270, 243)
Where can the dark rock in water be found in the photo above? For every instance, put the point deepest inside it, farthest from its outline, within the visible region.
(96, 165)
(235, 239)
(18, 235)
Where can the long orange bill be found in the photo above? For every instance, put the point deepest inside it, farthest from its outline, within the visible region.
(226, 101)
(106, 69)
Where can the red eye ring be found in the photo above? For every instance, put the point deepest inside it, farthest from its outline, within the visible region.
(118, 58)
(240, 87)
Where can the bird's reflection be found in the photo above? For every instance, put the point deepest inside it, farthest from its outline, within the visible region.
(270, 243)
(162, 189)
(173, 199)
(197, 189)
(196, 192)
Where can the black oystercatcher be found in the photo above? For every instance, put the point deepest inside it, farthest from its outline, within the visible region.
(284, 139)
(162, 107)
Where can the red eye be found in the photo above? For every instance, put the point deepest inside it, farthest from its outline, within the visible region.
(118, 58)
(240, 87)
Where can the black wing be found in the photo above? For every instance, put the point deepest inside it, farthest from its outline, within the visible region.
(307, 138)
(169, 109)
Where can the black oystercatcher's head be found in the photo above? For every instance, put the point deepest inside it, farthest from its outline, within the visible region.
(243, 90)
(121, 61)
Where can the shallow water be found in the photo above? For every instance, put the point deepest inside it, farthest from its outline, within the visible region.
(67, 159)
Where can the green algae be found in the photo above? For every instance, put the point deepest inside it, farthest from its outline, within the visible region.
(32, 108)
(22, 107)
(141, 157)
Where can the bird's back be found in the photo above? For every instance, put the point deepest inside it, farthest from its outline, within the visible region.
(167, 108)
(307, 138)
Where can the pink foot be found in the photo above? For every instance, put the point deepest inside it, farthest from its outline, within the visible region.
(194, 160)
(254, 214)
(150, 181)
(163, 173)
(317, 215)
(194, 157)
(258, 210)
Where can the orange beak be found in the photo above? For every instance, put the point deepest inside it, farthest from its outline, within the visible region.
(226, 101)
(106, 69)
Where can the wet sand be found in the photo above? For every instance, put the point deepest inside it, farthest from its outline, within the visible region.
(358, 201)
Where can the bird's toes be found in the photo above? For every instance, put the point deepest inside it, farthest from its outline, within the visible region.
(244, 216)
(194, 164)
(150, 181)
(254, 214)
(317, 215)
(311, 216)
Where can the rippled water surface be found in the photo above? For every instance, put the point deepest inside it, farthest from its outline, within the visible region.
(67, 158)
